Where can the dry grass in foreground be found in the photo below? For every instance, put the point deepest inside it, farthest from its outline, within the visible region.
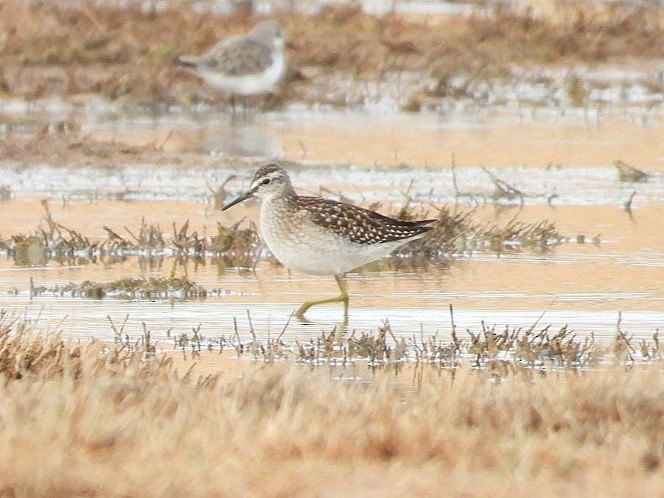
(106, 420)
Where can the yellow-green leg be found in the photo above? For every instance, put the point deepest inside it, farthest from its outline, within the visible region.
(343, 297)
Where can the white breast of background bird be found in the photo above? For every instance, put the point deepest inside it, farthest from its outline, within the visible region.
(244, 66)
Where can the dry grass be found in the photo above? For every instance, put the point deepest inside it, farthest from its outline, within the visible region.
(120, 421)
(50, 48)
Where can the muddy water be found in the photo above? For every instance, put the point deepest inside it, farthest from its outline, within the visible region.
(584, 285)
(534, 137)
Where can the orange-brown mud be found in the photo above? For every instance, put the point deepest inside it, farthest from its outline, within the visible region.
(81, 149)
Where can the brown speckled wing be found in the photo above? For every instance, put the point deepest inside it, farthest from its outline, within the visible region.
(240, 57)
(360, 225)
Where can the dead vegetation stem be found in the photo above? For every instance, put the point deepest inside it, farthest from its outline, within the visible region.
(454, 233)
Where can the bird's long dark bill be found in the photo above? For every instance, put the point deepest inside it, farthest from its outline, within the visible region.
(238, 200)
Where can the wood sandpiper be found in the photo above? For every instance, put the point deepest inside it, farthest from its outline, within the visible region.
(243, 65)
(322, 236)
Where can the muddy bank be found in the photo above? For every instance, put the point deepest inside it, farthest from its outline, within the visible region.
(79, 149)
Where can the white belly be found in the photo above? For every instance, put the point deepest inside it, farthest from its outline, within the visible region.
(303, 246)
(249, 84)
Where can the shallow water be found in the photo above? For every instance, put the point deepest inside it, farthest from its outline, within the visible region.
(533, 137)
(583, 285)
(562, 164)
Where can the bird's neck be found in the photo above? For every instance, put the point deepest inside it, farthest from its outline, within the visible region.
(282, 198)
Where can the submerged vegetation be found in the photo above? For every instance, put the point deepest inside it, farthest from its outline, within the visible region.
(239, 245)
(129, 288)
(501, 350)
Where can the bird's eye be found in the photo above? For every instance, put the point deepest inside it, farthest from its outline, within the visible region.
(265, 181)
